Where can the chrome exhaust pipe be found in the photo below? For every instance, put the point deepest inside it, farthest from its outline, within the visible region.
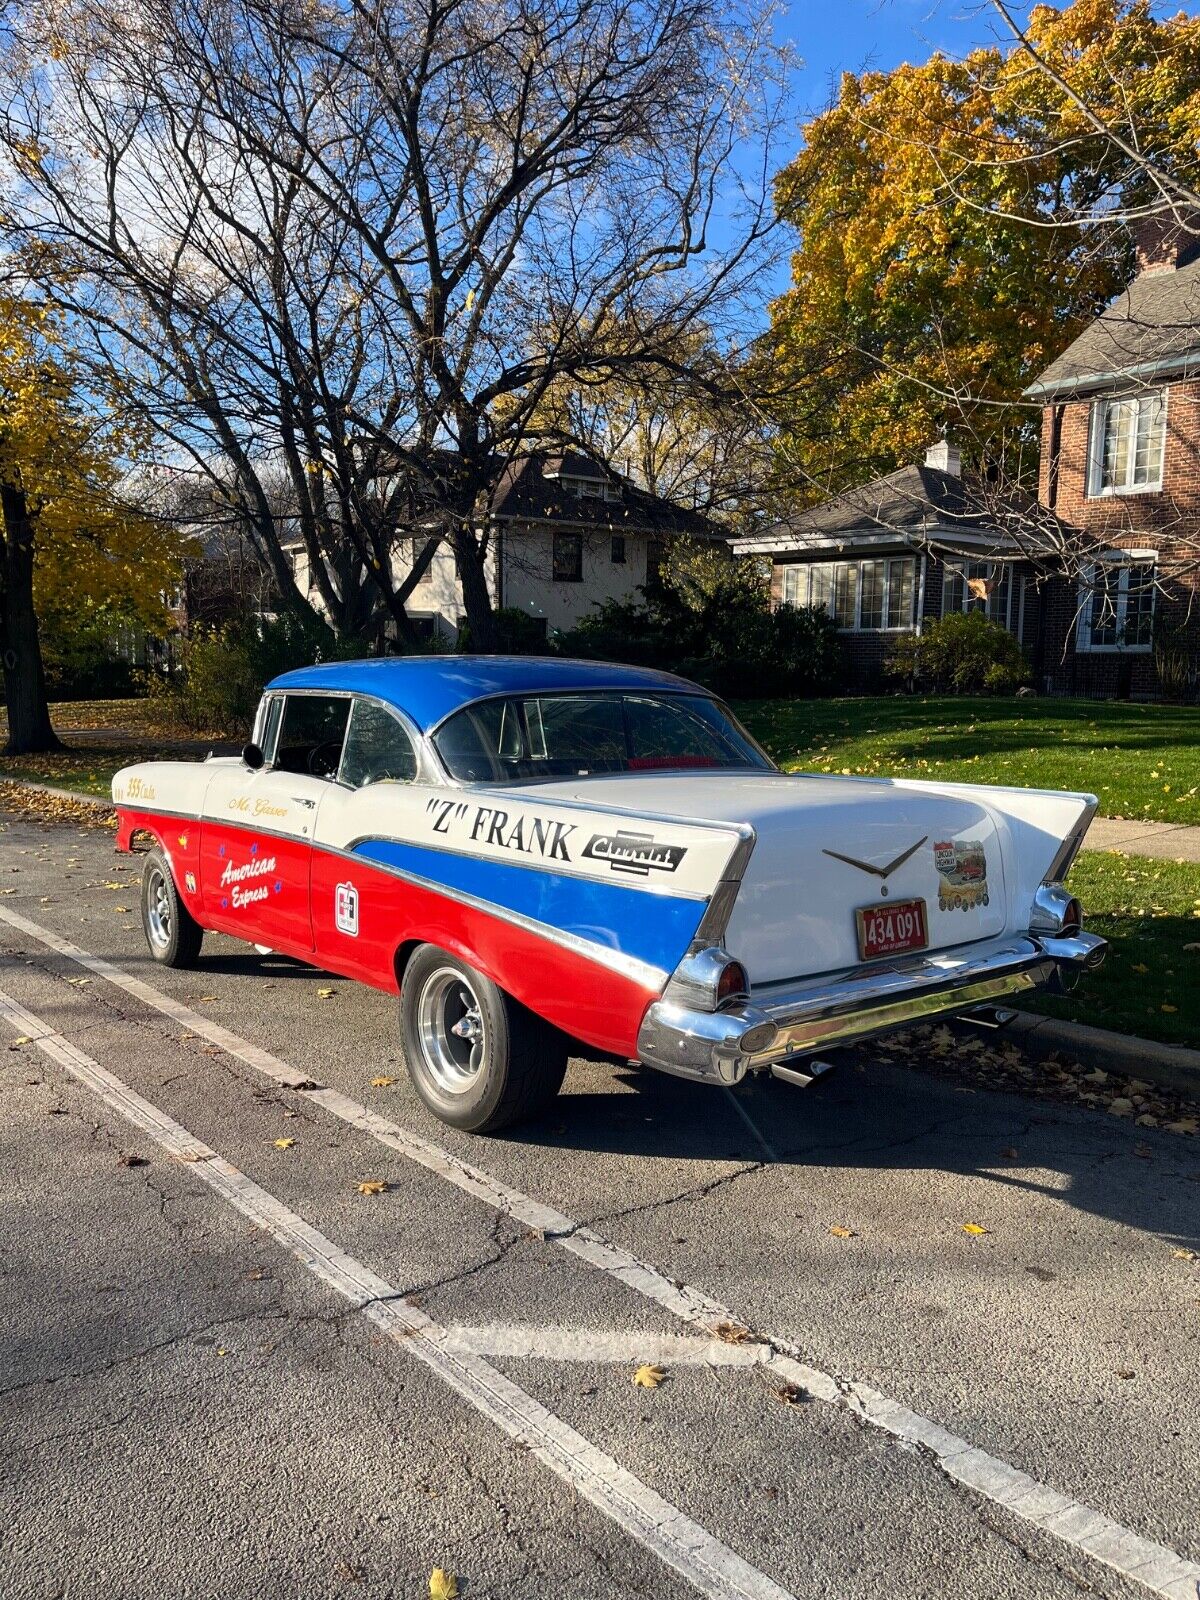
(813, 1069)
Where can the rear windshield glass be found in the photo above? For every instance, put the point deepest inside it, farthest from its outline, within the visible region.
(577, 735)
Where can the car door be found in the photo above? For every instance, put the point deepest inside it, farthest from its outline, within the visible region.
(257, 830)
(356, 908)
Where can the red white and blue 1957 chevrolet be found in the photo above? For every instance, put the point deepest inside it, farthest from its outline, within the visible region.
(538, 851)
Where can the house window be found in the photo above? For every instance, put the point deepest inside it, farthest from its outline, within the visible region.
(656, 551)
(568, 558)
(586, 488)
(1128, 437)
(618, 550)
(862, 596)
(1116, 604)
(987, 586)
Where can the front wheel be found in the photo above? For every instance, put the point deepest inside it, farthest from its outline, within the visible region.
(172, 933)
(478, 1059)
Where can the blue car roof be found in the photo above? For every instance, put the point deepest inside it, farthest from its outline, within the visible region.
(429, 688)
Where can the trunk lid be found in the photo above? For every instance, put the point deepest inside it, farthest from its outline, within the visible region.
(827, 848)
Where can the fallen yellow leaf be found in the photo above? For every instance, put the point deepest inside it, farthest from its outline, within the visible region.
(1185, 1255)
(972, 1227)
(731, 1332)
(843, 1233)
(372, 1186)
(324, 994)
(284, 1144)
(382, 1083)
(1168, 1008)
(648, 1376)
(443, 1585)
(1140, 968)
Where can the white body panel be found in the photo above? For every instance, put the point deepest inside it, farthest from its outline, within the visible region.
(794, 915)
(676, 834)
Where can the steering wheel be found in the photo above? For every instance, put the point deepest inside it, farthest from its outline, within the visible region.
(323, 758)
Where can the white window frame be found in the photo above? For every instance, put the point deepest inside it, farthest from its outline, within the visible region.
(1126, 560)
(854, 624)
(1098, 420)
(1014, 607)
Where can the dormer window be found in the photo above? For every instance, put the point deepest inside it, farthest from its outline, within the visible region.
(589, 488)
(1128, 436)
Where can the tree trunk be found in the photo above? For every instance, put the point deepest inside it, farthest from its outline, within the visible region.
(20, 651)
(477, 602)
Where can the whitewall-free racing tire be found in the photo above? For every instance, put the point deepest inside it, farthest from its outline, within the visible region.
(478, 1059)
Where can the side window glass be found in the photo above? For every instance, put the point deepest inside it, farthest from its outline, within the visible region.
(268, 736)
(377, 748)
(311, 735)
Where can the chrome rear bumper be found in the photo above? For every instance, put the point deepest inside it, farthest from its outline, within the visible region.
(781, 1022)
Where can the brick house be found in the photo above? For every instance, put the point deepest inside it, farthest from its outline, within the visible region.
(1120, 467)
(888, 557)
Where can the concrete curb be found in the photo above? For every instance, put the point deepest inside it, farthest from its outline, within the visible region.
(1173, 1066)
(59, 794)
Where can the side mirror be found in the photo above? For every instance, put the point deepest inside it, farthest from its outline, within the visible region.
(253, 756)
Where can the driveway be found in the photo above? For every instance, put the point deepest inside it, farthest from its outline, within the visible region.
(270, 1330)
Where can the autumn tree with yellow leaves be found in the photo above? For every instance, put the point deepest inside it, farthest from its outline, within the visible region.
(952, 233)
(69, 543)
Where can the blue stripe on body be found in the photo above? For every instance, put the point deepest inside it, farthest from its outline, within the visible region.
(654, 928)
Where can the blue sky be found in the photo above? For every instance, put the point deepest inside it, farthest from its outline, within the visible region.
(835, 36)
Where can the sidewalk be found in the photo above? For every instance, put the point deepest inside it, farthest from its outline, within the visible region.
(1167, 841)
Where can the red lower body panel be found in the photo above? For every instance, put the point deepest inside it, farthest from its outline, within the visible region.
(362, 917)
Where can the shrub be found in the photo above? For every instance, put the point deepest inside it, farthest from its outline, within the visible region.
(221, 671)
(707, 617)
(517, 634)
(964, 652)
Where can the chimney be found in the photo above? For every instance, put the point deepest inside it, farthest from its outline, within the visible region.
(1165, 241)
(945, 457)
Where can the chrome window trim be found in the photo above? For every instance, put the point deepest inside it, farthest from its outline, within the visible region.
(392, 711)
(428, 771)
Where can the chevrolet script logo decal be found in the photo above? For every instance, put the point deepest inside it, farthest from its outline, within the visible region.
(878, 872)
(634, 852)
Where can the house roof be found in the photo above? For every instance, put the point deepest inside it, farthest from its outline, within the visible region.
(429, 688)
(1151, 330)
(536, 488)
(917, 503)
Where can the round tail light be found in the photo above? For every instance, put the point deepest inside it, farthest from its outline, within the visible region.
(1072, 916)
(732, 984)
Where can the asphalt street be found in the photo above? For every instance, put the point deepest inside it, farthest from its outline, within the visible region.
(225, 1370)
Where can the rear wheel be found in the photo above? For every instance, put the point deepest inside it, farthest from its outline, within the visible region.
(172, 933)
(477, 1058)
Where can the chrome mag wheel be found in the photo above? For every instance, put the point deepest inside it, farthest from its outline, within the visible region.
(158, 909)
(451, 1030)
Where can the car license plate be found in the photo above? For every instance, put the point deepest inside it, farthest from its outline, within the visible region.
(889, 930)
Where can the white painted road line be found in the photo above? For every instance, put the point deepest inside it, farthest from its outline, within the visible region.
(712, 1568)
(1158, 1569)
(523, 1341)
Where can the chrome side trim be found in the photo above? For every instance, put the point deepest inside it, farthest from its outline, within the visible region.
(783, 1022)
(639, 972)
(1072, 844)
(715, 920)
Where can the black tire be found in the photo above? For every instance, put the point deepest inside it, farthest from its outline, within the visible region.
(504, 1068)
(172, 933)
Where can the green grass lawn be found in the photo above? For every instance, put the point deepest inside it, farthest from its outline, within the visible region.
(100, 737)
(1150, 911)
(1142, 761)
